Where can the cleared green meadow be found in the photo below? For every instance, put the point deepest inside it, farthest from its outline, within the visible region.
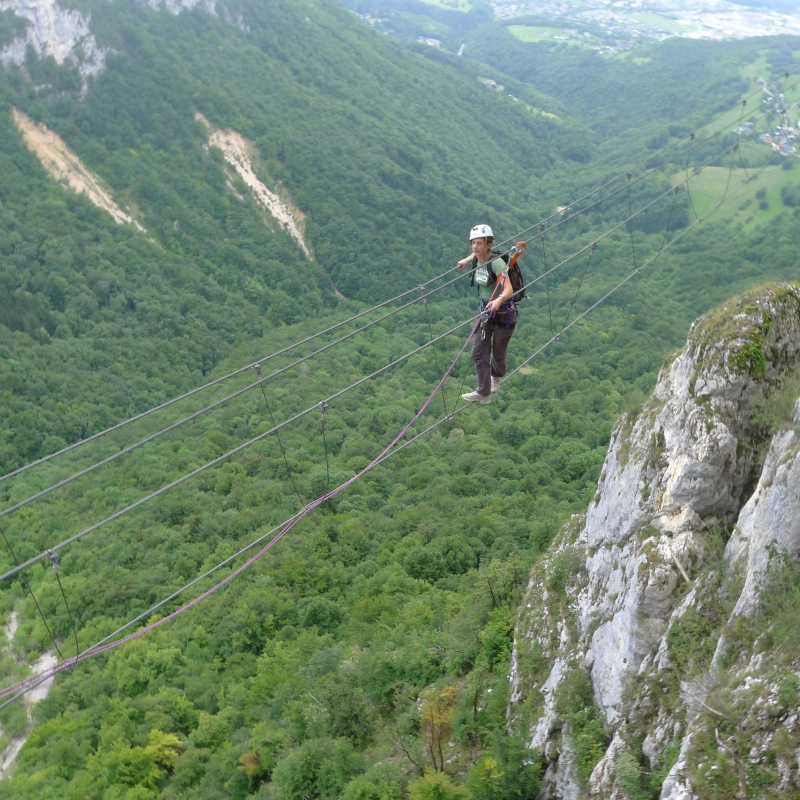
(743, 207)
(451, 5)
(540, 33)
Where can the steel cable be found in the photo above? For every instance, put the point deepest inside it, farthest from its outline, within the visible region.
(301, 414)
(15, 691)
(403, 294)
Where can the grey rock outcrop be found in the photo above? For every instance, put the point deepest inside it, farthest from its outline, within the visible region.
(53, 31)
(65, 34)
(771, 518)
(676, 477)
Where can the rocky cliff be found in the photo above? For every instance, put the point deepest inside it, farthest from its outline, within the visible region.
(657, 655)
(65, 34)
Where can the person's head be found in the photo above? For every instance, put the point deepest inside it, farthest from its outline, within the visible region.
(480, 240)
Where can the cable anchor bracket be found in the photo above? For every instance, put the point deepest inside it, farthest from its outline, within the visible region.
(323, 407)
(256, 365)
(421, 290)
(53, 556)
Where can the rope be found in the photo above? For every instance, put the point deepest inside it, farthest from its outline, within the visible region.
(219, 380)
(15, 691)
(235, 450)
(206, 409)
(239, 371)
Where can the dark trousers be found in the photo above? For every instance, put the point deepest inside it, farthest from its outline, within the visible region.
(489, 348)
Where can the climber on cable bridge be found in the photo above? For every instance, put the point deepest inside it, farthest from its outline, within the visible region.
(498, 314)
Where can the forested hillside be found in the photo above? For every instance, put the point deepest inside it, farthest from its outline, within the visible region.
(367, 654)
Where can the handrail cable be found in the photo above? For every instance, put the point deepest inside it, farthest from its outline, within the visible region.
(17, 690)
(307, 509)
(216, 404)
(615, 192)
(663, 150)
(200, 412)
(240, 370)
(222, 378)
(306, 411)
(277, 427)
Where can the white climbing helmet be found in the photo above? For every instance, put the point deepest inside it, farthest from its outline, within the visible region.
(480, 231)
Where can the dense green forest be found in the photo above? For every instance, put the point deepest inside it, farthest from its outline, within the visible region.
(366, 655)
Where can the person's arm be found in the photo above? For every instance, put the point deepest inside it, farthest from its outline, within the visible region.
(464, 261)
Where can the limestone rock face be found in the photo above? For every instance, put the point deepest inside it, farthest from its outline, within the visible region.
(675, 480)
(65, 34)
(53, 31)
(770, 519)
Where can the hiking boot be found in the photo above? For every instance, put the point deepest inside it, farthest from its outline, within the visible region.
(495, 384)
(474, 397)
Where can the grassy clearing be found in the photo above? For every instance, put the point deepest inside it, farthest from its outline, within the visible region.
(451, 5)
(664, 23)
(745, 207)
(755, 108)
(758, 68)
(536, 33)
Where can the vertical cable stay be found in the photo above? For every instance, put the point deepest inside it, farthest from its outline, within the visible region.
(744, 167)
(54, 561)
(239, 448)
(11, 693)
(257, 368)
(713, 210)
(323, 407)
(669, 218)
(688, 191)
(26, 585)
(739, 132)
(546, 278)
(435, 356)
(630, 216)
(580, 283)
